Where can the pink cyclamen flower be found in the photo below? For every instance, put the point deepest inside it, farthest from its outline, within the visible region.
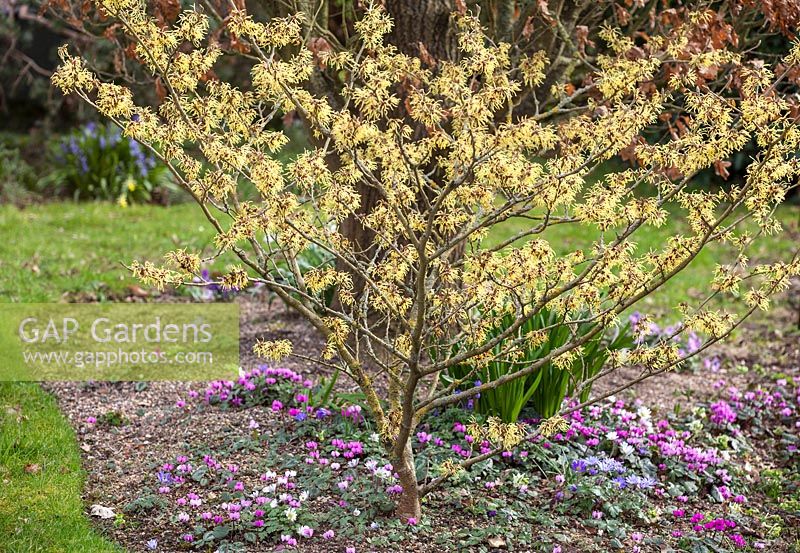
(328, 535)
(722, 413)
(412, 521)
(305, 531)
(350, 550)
(737, 540)
(91, 420)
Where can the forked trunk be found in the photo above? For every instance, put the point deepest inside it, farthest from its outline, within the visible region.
(408, 504)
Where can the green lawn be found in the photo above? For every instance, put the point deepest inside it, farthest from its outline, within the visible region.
(693, 282)
(40, 477)
(48, 250)
(67, 247)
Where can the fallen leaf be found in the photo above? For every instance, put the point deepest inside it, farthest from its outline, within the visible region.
(138, 291)
(496, 542)
(33, 468)
(101, 511)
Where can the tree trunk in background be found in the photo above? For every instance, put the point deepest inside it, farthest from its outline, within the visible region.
(421, 29)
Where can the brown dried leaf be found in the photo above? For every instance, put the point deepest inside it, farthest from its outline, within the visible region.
(425, 56)
(582, 34)
(167, 11)
(544, 9)
(138, 291)
(161, 90)
(623, 15)
(527, 29)
(721, 168)
(111, 31)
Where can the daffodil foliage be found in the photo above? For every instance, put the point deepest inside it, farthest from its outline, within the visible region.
(450, 158)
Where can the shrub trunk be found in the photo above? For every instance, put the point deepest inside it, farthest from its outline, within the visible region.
(408, 505)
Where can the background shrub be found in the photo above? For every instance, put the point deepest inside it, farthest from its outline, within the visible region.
(96, 162)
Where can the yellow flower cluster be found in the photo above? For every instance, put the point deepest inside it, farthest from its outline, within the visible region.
(273, 350)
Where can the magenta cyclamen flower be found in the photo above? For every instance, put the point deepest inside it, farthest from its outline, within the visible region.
(722, 413)
(412, 521)
(738, 540)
